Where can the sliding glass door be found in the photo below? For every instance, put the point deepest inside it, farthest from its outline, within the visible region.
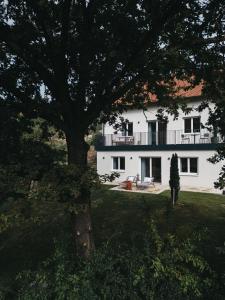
(156, 168)
(145, 167)
(151, 167)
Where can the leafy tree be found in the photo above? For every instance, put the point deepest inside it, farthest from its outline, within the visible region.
(26, 155)
(174, 178)
(69, 61)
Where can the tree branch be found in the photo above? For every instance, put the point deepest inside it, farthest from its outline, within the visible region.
(28, 54)
(41, 16)
(66, 7)
(31, 106)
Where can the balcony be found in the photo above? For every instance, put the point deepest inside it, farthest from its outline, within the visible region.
(169, 137)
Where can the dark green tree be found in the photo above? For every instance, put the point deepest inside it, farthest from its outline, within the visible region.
(26, 154)
(69, 61)
(217, 123)
(174, 178)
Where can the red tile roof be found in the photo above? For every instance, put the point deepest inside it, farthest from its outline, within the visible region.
(182, 89)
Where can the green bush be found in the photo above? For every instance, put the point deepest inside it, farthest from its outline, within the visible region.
(163, 269)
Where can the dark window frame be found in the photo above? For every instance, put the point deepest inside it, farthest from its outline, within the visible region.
(184, 165)
(127, 129)
(196, 167)
(191, 128)
(187, 130)
(119, 163)
(189, 168)
(199, 124)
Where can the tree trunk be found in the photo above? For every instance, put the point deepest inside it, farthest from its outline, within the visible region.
(81, 220)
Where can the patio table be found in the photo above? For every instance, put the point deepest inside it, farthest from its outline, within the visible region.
(194, 136)
(142, 186)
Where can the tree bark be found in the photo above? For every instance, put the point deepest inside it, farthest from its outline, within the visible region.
(81, 219)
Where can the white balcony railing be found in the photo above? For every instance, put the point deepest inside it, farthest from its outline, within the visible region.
(169, 137)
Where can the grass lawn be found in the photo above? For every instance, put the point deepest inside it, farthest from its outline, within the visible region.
(124, 217)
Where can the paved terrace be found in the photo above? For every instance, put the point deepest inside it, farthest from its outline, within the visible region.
(161, 188)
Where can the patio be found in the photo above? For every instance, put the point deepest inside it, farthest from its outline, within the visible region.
(159, 188)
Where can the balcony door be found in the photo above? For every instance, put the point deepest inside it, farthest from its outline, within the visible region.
(162, 133)
(145, 167)
(157, 133)
(127, 129)
(152, 138)
(156, 168)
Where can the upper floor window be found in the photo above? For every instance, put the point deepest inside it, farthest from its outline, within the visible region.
(192, 125)
(119, 163)
(127, 129)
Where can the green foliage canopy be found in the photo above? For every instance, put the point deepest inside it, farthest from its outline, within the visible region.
(164, 268)
(68, 61)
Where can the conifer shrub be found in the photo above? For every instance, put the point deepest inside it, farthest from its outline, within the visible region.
(174, 178)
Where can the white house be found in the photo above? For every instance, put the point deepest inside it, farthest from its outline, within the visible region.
(145, 146)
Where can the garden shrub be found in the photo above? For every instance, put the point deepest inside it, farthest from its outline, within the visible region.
(174, 181)
(164, 269)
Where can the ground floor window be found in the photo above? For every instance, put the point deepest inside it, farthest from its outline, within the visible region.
(119, 163)
(188, 165)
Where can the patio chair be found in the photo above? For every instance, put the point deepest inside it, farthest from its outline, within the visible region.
(185, 139)
(132, 179)
(204, 138)
(148, 181)
(129, 140)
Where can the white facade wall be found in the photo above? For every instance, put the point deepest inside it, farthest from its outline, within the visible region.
(140, 122)
(207, 172)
